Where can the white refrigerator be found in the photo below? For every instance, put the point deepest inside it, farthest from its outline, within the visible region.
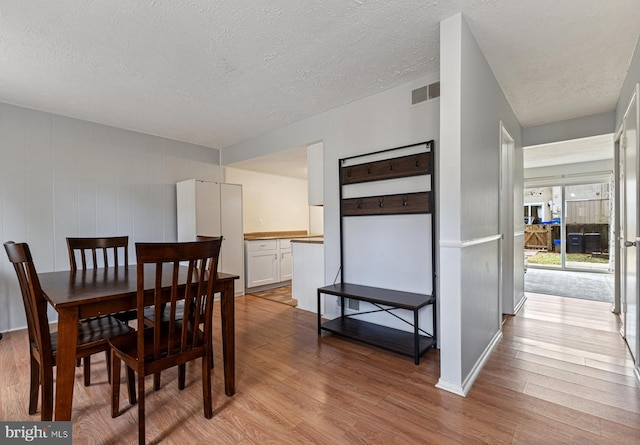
(213, 209)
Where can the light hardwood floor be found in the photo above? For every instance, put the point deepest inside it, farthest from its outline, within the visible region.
(561, 374)
(279, 294)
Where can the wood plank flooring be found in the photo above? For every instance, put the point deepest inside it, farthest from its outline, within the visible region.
(560, 375)
(279, 294)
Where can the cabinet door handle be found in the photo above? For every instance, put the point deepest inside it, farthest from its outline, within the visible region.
(275, 256)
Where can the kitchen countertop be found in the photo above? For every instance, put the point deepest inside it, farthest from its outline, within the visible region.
(294, 234)
(310, 239)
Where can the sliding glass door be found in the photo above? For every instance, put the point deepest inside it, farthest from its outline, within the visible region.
(588, 210)
(568, 226)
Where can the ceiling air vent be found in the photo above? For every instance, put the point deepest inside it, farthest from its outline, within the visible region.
(426, 92)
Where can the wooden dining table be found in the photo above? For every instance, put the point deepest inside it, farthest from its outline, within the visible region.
(102, 291)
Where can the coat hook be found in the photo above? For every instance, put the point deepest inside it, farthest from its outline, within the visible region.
(381, 202)
(405, 201)
(369, 168)
(359, 203)
(417, 161)
(391, 166)
(348, 173)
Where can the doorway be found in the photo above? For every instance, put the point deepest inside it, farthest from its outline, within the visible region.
(570, 191)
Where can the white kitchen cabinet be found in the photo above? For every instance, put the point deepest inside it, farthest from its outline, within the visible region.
(286, 266)
(262, 263)
(214, 209)
(262, 268)
(268, 262)
(315, 173)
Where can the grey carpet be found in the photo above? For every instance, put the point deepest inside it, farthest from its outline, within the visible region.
(588, 286)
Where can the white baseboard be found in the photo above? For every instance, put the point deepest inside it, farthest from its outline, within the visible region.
(447, 386)
(463, 390)
(475, 372)
(520, 304)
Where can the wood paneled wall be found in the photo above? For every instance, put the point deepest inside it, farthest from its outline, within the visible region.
(64, 177)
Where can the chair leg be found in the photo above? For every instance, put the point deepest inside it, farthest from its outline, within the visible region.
(181, 375)
(211, 355)
(107, 357)
(115, 385)
(141, 408)
(206, 387)
(131, 385)
(34, 385)
(87, 370)
(156, 381)
(46, 384)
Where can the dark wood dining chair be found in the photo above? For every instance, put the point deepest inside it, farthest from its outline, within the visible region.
(171, 341)
(96, 252)
(91, 253)
(92, 333)
(149, 312)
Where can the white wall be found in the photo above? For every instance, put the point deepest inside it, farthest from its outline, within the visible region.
(316, 220)
(280, 202)
(382, 121)
(581, 127)
(64, 177)
(472, 107)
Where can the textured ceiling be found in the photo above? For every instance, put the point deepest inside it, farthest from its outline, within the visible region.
(219, 72)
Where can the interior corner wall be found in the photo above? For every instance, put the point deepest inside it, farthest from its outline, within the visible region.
(581, 127)
(63, 177)
(472, 107)
(271, 203)
(633, 77)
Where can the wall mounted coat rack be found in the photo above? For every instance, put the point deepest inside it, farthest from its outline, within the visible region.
(400, 167)
(404, 203)
(385, 300)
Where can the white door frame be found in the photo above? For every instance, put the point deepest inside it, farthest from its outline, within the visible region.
(510, 264)
(631, 314)
(618, 169)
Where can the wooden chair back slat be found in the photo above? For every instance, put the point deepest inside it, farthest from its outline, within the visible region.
(88, 250)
